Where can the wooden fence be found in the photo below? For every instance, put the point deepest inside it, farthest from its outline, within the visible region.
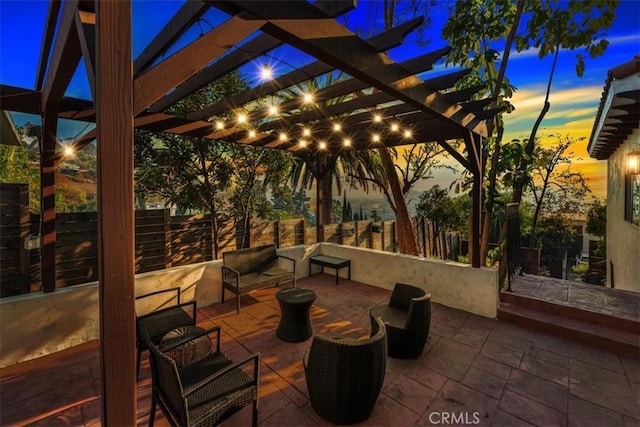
(161, 241)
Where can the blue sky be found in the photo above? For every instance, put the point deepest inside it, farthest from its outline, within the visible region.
(573, 103)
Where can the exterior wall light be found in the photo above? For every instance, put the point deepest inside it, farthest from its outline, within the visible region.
(632, 162)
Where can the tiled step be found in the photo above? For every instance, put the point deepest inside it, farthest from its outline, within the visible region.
(617, 322)
(603, 337)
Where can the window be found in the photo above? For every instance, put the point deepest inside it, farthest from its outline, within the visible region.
(632, 199)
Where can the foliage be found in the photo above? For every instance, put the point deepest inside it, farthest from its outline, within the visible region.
(290, 204)
(448, 214)
(556, 236)
(21, 166)
(580, 270)
(597, 219)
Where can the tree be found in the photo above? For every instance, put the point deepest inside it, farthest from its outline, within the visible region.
(597, 225)
(189, 173)
(257, 169)
(555, 188)
(20, 166)
(557, 236)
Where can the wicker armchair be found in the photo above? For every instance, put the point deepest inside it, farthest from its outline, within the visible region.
(206, 392)
(408, 320)
(344, 376)
(158, 322)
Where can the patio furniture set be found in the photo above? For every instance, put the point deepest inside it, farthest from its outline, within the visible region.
(194, 383)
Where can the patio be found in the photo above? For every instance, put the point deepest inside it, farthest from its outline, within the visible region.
(507, 374)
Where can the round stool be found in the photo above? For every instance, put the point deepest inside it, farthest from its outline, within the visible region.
(295, 304)
(191, 351)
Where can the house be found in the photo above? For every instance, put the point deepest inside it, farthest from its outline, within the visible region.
(616, 139)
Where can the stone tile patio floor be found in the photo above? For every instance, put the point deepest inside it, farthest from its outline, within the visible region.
(476, 370)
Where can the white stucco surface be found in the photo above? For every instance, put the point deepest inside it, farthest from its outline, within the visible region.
(34, 325)
(623, 238)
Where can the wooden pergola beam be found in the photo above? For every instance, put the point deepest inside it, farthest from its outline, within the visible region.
(65, 57)
(47, 38)
(334, 44)
(179, 23)
(381, 42)
(116, 254)
(175, 70)
(86, 27)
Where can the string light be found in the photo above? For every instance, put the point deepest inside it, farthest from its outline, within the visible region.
(377, 118)
(242, 118)
(395, 127)
(252, 133)
(273, 110)
(346, 142)
(283, 137)
(306, 132)
(68, 151)
(308, 98)
(322, 145)
(375, 137)
(219, 125)
(407, 134)
(302, 143)
(337, 127)
(266, 73)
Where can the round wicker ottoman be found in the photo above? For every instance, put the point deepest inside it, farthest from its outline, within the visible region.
(295, 304)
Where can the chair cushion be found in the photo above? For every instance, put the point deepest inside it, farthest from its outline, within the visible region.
(190, 352)
(391, 316)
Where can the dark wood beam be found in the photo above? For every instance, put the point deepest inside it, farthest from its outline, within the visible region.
(334, 44)
(65, 57)
(242, 55)
(190, 11)
(116, 254)
(380, 42)
(47, 38)
(86, 27)
(175, 70)
(48, 197)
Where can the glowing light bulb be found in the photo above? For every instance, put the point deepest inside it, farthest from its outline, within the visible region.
(68, 151)
(283, 137)
(377, 118)
(306, 132)
(273, 110)
(322, 145)
(308, 98)
(302, 143)
(242, 118)
(395, 127)
(252, 133)
(375, 137)
(337, 127)
(266, 73)
(407, 134)
(219, 125)
(346, 142)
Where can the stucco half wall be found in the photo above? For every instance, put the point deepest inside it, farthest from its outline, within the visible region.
(453, 284)
(35, 325)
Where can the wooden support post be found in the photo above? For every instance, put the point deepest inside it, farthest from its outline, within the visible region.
(25, 229)
(116, 222)
(168, 255)
(319, 209)
(48, 197)
(474, 230)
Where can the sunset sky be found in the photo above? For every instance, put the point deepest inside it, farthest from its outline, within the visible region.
(574, 100)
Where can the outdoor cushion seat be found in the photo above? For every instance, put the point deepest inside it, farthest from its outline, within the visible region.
(160, 321)
(248, 269)
(205, 392)
(408, 320)
(344, 376)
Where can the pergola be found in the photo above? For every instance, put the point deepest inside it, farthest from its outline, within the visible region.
(129, 94)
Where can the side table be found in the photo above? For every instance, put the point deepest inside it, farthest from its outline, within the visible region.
(295, 304)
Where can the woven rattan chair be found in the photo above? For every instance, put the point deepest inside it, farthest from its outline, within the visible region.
(206, 392)
(158, 322)
(408, 320)
(344, 376)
